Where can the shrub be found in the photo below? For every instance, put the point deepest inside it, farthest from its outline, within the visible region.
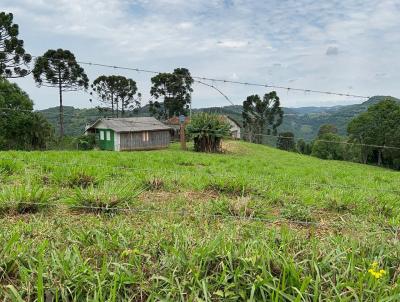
(86, 142)
(328, 146)
(207, 131)
(286, 141)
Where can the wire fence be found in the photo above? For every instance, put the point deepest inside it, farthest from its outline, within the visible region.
(263, 181)
(185, 213)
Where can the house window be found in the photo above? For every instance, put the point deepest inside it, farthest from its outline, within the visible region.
(108, 135)
(101, 135)
(145, 136)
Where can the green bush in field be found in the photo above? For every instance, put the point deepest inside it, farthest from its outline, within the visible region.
(207, 131)
(24, 199)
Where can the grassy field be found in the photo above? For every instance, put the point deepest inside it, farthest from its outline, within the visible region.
(253, 224)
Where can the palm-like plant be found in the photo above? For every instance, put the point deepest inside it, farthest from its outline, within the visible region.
(207, 131)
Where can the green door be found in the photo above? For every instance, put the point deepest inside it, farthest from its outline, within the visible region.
(106, 139)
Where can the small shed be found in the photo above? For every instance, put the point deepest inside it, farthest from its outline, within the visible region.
(131, 133)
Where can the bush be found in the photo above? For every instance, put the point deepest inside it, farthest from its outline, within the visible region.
(328, 146)
(86, 142)
(286, 141)
(207, 131)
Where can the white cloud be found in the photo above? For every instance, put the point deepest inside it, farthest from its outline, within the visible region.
(257, 41)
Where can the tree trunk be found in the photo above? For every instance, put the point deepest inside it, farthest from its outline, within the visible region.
(379, 157)
(61, 105)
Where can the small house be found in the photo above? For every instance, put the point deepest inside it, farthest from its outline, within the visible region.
(131, 133)
(235, 127)
(175, 125)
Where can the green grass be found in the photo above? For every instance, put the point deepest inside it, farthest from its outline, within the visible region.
(200, 227)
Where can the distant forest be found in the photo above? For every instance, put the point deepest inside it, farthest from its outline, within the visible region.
(303, 122)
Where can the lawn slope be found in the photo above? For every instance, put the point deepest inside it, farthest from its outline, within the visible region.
(254, 223)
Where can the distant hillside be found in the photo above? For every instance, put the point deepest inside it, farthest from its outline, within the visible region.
(304, 122)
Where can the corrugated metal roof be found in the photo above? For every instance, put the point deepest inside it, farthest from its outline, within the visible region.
(131, 124)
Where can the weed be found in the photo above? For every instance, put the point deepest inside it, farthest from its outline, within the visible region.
(231, 187)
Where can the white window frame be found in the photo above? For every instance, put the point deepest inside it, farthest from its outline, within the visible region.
(101, 135)
(145, 136)
(108, 135)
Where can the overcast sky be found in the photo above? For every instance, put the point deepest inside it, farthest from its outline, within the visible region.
(350, 46)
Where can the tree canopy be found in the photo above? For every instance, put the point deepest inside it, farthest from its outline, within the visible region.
(59, 69)
(20, 127)
(378, 126)
(260, 115)
(116, 91)
(175, 89)
(14, 59)
(286, 141)
(327, 128)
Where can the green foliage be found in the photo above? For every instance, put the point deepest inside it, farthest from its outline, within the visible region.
(378, 126)
(327, 128)
(175, 88)
(297, 212)
(304, 147)
(9, 167)
(104, 199)
(20, 127)
(13, 58)
(286, 141)
(59, 69)
(23, 199)
(261, 116)
(328, 146)
(207, 131)
(116, 91)
(86, 141)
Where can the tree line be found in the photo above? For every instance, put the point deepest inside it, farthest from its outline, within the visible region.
(59, 69)
(373, 138)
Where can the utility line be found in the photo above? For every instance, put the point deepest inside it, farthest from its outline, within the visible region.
(202, 78)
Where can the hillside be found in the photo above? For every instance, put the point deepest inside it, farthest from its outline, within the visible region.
(304, 122)
(253, 224)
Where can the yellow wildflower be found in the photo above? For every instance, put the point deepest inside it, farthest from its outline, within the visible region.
(375, 272)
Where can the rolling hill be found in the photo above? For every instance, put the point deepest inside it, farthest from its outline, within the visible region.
(252, 224)
(304, 122)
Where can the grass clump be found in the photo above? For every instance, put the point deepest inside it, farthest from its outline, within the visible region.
(77, 177)
(298, 212)
(230, 187)
(24, 199)
(106, 199)
(154, 184)
(8, 167)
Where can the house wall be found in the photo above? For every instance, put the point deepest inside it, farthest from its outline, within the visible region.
(235, 129)
(105, 139)
(145, 140)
